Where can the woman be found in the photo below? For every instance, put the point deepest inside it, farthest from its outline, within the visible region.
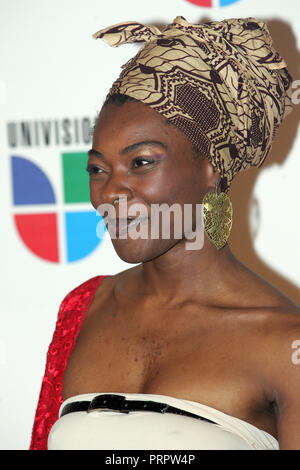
(189, 349)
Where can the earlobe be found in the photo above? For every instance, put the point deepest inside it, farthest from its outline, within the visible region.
(212, 177)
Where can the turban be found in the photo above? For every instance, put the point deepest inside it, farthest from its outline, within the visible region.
(221, 83)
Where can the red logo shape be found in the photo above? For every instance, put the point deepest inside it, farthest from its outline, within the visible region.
(39, 232)
(201, 3)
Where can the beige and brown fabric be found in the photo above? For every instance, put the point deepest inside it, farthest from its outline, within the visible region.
(222, 83)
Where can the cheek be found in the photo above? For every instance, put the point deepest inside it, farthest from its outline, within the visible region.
(173, 184)
(94, 193)
(155, 188)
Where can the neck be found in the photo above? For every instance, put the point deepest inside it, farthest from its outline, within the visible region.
(179, 274)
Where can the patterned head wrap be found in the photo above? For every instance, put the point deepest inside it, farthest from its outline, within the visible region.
(221, 83)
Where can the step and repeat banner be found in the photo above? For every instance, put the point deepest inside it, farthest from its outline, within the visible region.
(53, 79)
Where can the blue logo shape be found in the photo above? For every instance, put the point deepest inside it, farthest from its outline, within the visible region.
(81, 236)
(225, 3)
(30, 183)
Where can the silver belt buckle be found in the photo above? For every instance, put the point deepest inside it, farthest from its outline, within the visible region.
(91, 410)
(107, 398)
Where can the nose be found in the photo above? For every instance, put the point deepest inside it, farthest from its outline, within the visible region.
(116, 189)
(119, 199)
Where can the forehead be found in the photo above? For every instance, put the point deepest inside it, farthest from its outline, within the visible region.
(133, 121)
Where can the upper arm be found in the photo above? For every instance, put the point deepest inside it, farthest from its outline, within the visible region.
(286, 370)
(50, 398)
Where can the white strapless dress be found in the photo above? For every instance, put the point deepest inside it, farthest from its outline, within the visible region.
(147, 430)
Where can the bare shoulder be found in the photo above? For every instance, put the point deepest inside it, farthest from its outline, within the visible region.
(278, 319)
(272, 327)
(277, 324)
(279, 356)
(281, 332)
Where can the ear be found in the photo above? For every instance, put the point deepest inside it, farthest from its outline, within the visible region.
(212, 176)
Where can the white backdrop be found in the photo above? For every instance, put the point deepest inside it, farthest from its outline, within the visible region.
(52, 69)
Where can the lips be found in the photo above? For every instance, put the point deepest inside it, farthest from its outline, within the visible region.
(120, 226)
(119, 220)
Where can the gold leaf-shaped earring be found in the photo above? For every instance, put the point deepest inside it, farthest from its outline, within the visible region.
(217, 217)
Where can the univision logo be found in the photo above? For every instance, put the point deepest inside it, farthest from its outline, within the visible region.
(82, 230)
(212, 3)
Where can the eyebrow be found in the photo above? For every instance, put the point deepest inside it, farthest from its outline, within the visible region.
(95, 153)
(130, 148)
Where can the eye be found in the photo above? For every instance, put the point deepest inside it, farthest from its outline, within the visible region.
(139, 162)
(93, 169)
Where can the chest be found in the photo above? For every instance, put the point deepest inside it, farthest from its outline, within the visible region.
(120, 352)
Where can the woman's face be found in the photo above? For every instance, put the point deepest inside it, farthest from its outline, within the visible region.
(140, 156)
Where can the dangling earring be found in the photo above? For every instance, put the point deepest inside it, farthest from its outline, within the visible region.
(217, 217)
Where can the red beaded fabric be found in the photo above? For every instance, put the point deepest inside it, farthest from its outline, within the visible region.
(71, 313)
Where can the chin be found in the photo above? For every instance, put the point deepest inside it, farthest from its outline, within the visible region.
(141, 250)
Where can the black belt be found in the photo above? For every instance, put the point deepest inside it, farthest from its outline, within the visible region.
(112, 402)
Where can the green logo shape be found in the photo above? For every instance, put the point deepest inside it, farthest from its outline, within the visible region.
(75, 177)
